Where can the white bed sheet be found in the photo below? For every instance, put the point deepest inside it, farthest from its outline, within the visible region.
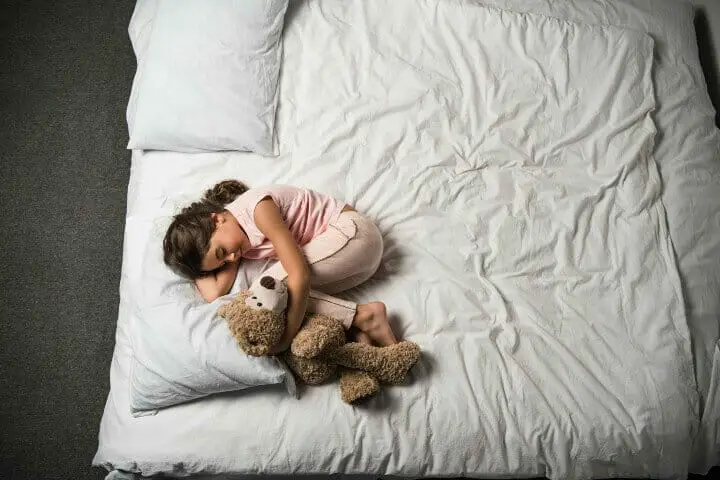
(473, 360)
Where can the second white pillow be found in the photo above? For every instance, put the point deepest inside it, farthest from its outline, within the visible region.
(209, 78)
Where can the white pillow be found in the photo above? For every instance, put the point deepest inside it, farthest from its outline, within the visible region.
(141, 25)
(207, 77)
(183, 351)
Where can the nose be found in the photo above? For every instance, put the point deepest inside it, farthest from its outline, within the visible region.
(268, 282)
(230, 257)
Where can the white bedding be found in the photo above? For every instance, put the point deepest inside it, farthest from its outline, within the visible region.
(507, 159)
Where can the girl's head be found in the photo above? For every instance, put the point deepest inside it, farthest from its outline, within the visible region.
(204, 236)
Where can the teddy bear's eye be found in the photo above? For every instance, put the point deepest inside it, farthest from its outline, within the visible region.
(259, 304)
(254, 298)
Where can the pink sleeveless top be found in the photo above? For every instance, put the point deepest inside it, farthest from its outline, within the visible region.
(306, 213)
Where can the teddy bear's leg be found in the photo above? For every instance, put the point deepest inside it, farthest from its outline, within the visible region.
(318, 333)
(356, 385)
(310, 370)
(388, 364)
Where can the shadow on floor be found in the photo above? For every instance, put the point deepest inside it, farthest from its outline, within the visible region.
(708, 58)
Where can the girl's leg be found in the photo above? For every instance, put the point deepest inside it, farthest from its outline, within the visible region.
(369, 319)
(344, 256)
(343, 310)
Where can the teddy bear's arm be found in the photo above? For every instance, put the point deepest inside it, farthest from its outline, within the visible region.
(316, 336)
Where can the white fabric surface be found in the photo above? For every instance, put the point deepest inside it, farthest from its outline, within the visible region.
(209, 78)
(506, 159)
(687, 151)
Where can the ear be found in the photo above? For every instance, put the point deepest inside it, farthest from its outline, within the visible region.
(218, 218)
(256, 350)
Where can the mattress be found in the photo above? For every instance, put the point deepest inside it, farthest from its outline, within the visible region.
(553, 250)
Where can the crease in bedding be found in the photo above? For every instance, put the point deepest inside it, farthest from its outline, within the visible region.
(687, 152)
(508, 161)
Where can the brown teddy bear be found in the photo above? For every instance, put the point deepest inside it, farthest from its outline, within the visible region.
(256, 318)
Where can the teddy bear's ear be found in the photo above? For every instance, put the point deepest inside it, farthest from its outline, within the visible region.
(256, 350)
(224, 310)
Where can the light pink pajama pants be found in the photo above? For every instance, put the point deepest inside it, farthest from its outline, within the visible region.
(340, 258)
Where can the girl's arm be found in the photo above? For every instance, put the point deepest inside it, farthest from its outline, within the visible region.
(270, 222)
(219, 282)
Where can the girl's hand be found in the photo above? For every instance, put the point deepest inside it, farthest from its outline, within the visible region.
(269, 220)
(219, 282)
(297, 289)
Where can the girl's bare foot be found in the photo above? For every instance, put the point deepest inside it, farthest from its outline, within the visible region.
(361, 337)
(371, 319)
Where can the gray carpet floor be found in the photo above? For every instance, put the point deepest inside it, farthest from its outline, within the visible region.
(66, 70)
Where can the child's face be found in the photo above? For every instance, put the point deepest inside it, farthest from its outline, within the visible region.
(226, 243)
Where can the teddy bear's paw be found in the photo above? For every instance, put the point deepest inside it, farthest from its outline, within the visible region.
(399, 359)
(356, 385)
(307, 345)
(309, 370)
(315, 338)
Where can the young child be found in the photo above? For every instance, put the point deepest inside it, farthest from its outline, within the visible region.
(318, 240)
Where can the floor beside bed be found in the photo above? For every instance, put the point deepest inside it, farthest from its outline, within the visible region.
(65, 174)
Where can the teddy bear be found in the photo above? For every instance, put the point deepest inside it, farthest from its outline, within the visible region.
(319, 351)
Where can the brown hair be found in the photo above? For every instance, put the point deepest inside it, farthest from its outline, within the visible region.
(187, 240)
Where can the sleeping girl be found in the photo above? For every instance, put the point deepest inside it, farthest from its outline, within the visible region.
(320, 242)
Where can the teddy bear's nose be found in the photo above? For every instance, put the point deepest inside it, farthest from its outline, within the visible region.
(268, 282)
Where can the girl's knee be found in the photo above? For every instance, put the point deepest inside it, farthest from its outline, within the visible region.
(373, 245)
